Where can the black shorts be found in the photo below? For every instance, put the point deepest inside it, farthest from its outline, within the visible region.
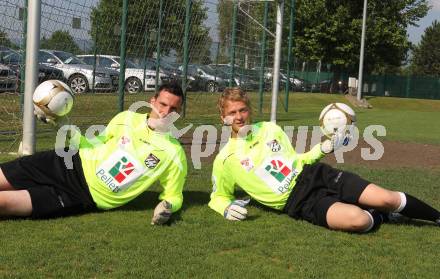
(55, 190)
(318, 187)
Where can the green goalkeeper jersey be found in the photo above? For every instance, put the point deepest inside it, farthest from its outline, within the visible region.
(263, 164)
(127, 158)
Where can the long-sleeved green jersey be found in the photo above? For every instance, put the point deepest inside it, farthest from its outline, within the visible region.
(127, 158)
(263, 164)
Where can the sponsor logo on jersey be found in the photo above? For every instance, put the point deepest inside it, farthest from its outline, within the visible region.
(116, 172)
(278, 170)
(274, 145)
(125, 140)
(277, 173)
(121, 169)
(151, 161)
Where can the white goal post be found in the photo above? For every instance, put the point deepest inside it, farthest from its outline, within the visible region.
(31, 76)
(277, 50)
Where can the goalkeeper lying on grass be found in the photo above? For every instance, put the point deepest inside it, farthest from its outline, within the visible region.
(124, 162)
(261, 160)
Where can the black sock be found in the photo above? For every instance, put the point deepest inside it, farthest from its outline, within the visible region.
(378, 219)
(418, 209)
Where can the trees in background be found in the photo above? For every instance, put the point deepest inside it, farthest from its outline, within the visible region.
(330, 31)
(60, 40)
(426, 55)
(5, 41)
(142, 26)
(248, 34)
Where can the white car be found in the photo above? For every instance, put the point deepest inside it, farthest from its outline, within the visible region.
(79, 76)
(134, 74)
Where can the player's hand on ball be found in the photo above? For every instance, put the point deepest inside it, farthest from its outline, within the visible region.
(162, 213)
(54, 122)
(236, 211)
(337, 140)
(40, 115)
(45, 119)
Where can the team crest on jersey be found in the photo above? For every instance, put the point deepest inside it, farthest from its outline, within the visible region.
(274, 145)
(247, 164)
(151, 161)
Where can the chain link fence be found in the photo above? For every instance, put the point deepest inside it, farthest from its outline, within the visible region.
(220, 43)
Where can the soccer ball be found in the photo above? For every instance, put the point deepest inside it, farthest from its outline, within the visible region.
(337, 117)
(52, 99)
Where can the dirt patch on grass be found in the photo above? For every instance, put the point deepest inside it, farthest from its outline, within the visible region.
(396, 154)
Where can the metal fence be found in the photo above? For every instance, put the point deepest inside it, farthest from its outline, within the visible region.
(120, 47)
(402, 86)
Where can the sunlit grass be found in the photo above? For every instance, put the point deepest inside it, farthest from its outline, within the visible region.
(199, 243)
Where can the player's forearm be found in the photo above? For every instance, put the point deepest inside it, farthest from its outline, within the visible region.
(175, 201)
(315, 154)
(219, 203)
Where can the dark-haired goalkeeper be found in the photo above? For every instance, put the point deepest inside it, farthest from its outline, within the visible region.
(130, 155)
(260, 159)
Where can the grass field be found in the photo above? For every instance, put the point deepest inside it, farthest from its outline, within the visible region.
(199, 243)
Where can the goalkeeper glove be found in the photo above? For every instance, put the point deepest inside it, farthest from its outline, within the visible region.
(162, 213)
(42, 117)
(338, 140)
(54, 122)
(236, 211)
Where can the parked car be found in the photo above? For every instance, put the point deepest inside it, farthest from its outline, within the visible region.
(175, 73)
(79, 75)
(166, 72)
(330, 86)
(296, 83)
(134, 73)
(245, 78)
(14, 59)
(207, 79)
(172, 71)
(8, 79)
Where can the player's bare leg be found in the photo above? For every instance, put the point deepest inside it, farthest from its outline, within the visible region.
(398, 202)
(380, 198)
(15, 203)
(348, 217)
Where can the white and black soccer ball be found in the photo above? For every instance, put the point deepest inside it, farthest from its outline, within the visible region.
(52, 99)
(337, 117)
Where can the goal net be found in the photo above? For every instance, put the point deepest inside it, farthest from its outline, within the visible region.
(228, 43)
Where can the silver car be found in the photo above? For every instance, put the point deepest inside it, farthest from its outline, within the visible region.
(134, 74)
(79, 75)
(8, 79)
(207, 79)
